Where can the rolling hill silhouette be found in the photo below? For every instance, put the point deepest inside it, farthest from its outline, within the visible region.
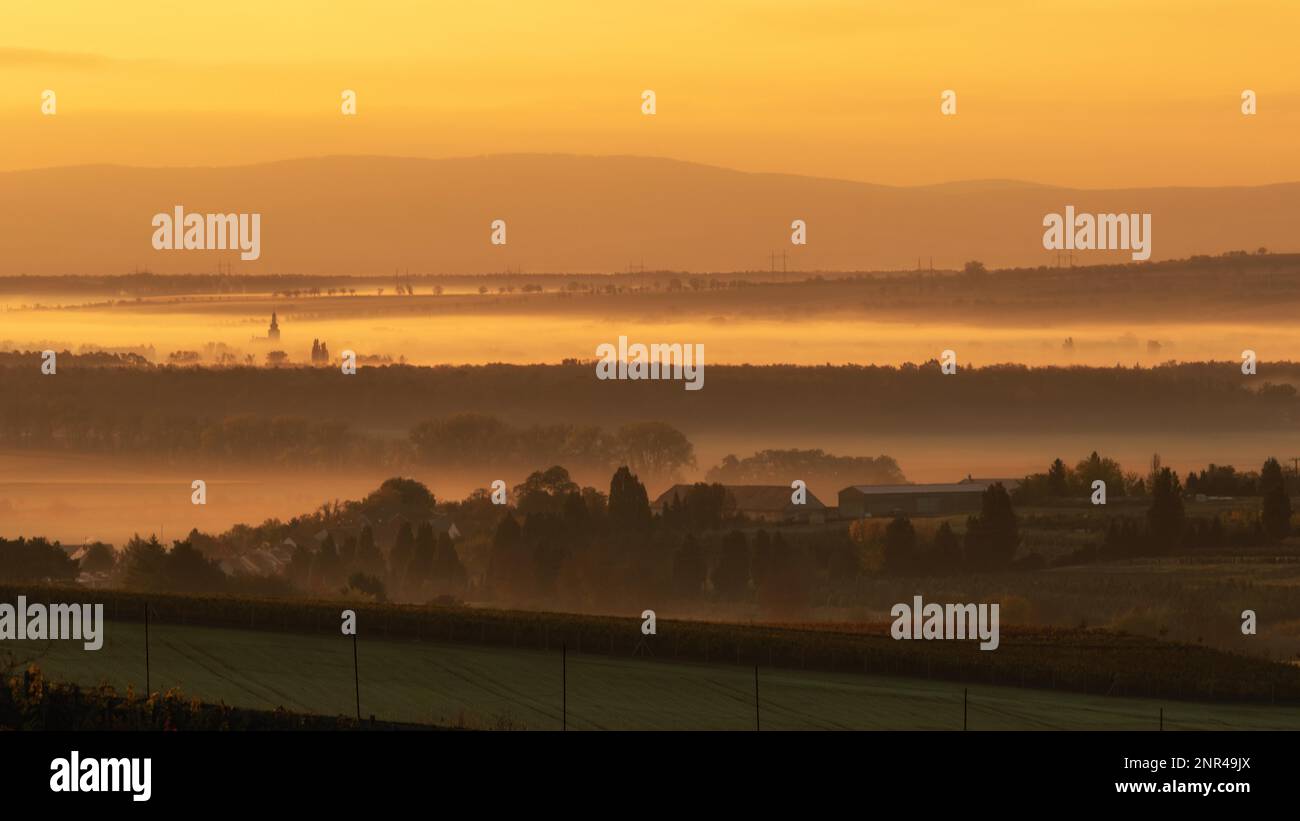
(371, 215)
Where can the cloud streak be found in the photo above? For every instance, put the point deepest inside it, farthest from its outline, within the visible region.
(30, 57)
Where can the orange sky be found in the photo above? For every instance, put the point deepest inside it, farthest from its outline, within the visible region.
(1090, 93)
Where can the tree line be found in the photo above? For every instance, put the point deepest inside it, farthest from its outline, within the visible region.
(1062, 482)
(907, 398)
(558, 543)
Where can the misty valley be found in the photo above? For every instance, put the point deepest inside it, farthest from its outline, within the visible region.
(441, 489)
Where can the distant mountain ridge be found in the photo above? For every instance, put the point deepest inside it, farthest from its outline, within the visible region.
(373, 215)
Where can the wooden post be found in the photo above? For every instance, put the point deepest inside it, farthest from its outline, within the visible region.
(564, 687)
(758, 724)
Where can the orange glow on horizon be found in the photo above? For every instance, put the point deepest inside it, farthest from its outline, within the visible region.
(1075, 92)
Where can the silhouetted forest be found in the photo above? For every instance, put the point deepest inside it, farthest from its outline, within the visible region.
(170, 406)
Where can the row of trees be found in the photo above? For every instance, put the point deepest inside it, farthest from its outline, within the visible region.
(469, 440)
(1167, 524)
(1061, 481)
(990, 541)
(476, 440)
(144, 564)
(546, 558)
(23, 559)
(779, 575)
(992, 537)
(1209, 396)
(563, 542)
(584, 548)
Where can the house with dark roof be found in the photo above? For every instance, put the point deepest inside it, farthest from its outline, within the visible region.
(860, 501)
(767, 503)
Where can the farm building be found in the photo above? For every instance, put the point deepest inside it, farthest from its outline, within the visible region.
(767, 503)
(860, 501)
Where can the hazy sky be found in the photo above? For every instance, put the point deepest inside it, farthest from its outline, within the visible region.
(1091, 93)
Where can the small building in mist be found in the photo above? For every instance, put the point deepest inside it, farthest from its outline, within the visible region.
(860, 501)
(765, 503)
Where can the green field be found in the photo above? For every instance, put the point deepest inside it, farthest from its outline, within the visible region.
(489, 687)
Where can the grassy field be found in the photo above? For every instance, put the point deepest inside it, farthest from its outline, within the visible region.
(491, 687)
